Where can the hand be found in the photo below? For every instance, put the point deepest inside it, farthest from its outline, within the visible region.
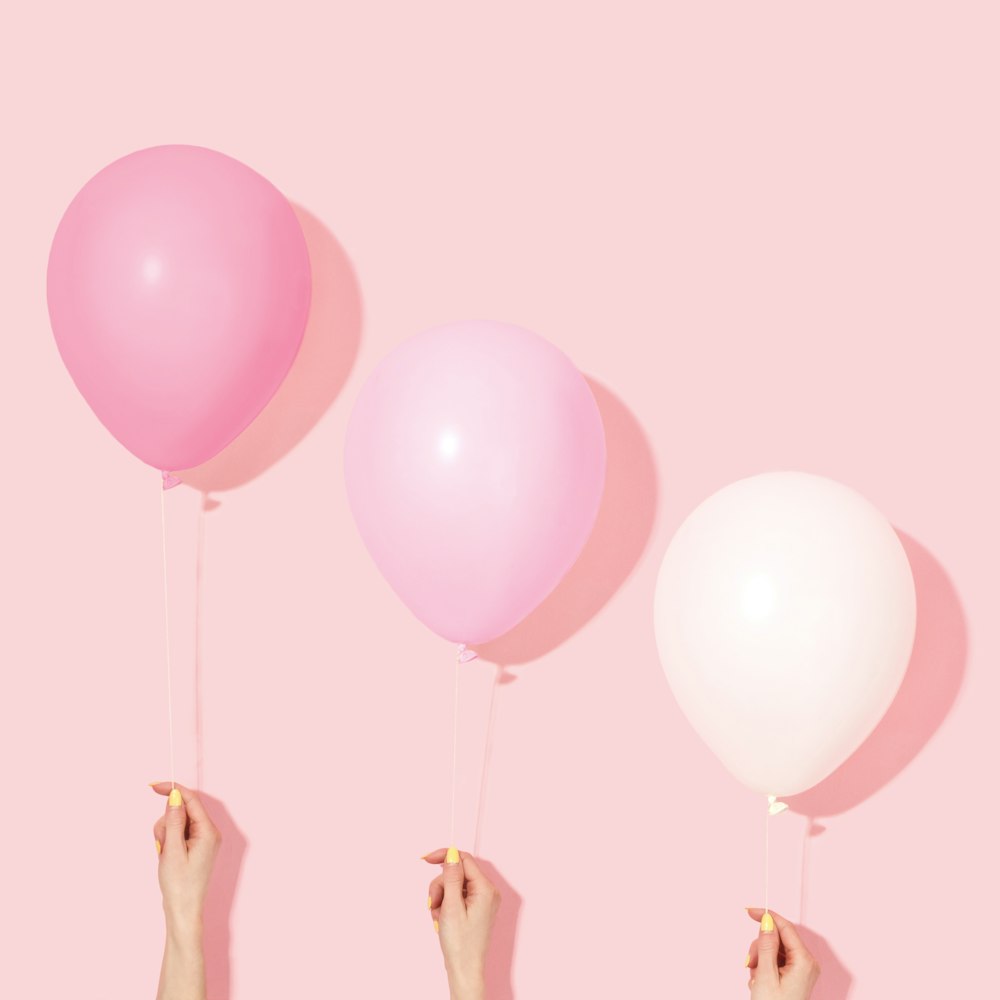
(781, 967)
(463, 904)
(187, 842)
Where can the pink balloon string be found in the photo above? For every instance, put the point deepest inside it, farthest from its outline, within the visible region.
(464, 655)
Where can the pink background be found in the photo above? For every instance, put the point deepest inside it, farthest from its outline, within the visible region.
(767, 233)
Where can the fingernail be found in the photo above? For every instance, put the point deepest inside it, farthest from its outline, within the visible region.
(452, 857)
(767, 923)
(174, 799)
(746, 961)
(437, 927)
(428, 902)
(159, 846)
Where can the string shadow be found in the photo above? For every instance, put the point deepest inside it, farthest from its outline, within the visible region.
(207, 504)
(226, 874)
(622, 530)
(325, 358)
(500, 959)
(500, 676)
(220, 899)
(930, 686)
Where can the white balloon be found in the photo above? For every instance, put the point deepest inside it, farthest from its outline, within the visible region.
(785, 613)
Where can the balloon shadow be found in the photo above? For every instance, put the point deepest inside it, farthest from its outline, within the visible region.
(319, 371)
(220, 899)
(930, 686)
(835, 980)
(621, 531)
(500, 959)
(928, 691)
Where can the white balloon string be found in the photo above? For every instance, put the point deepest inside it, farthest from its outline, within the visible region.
(166, 633)
(774, 808)
(767, 850)
(454, 752)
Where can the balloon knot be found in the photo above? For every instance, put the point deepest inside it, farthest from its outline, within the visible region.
(774, 806)
(465, 654)
(169, 480)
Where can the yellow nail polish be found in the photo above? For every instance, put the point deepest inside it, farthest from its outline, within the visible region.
(437, 927)
(428, 902)
(452, 857)
(159, 847)
(746, 961)
(174, 799)
(767, 923)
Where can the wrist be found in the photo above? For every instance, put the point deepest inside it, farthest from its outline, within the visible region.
(467, 985)
(184, 930)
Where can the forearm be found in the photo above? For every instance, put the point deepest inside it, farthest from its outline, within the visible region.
(182, 975)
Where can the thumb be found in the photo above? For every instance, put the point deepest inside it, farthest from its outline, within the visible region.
(174, 822)
(453, 881)
(767, 951)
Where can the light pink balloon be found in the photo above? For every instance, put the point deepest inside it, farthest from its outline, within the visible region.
(475, 467)
(178, 289)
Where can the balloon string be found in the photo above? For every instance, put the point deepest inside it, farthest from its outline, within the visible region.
(166, 633)
(454, 753)
(767, 851)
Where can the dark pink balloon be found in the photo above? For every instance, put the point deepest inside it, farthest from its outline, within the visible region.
(178, 290)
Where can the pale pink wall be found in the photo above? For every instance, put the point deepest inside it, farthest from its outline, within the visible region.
(767, 233)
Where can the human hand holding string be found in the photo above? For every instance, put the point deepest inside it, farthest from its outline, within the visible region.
(781, 967)
(187, 842)
(463, 904)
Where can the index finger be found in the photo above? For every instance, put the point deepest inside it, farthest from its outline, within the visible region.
(473, 873)
(786, 930)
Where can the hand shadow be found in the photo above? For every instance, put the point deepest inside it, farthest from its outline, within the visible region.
(834, 979)
(500, 960)
(928, 691)
(219, 902)
(324, 360)
(621, 531)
